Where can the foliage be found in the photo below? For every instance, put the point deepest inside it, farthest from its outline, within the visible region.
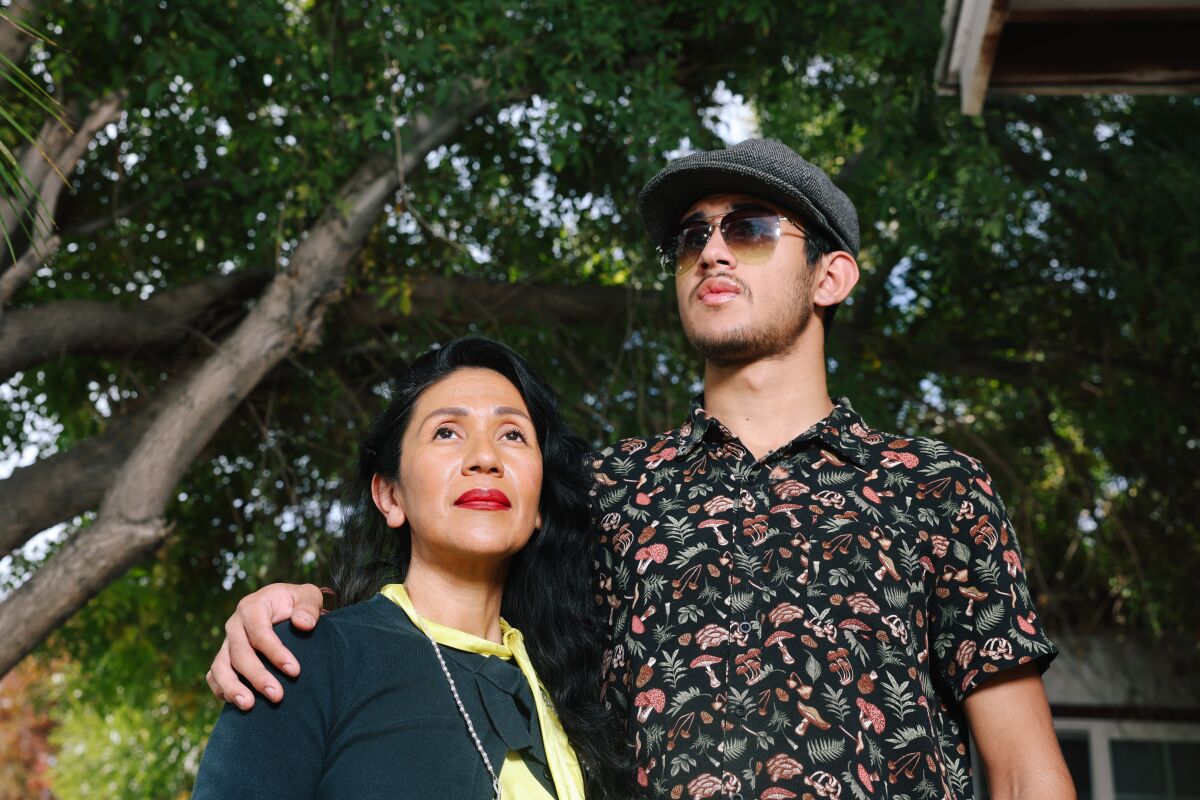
(1028, 281)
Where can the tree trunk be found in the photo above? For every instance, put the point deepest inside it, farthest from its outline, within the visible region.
(130, 521)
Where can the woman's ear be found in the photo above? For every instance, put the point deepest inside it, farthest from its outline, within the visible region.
(387, 500)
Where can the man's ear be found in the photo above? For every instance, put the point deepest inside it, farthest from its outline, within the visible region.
(387, 500)
(837, 278)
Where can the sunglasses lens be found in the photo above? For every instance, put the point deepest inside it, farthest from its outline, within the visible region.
(689, 244)
(751, 235)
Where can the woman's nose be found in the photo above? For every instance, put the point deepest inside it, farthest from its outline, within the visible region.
(483, 459)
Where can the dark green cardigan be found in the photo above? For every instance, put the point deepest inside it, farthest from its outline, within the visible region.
(371, 717)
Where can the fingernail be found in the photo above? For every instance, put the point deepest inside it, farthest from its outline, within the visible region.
(291, 669)
(242, 701)
(273, 692)
(304, 619)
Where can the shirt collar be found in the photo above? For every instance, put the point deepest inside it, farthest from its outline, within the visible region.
(840, 431)
(452, 637)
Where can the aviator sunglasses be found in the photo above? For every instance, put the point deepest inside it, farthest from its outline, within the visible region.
(750, 233)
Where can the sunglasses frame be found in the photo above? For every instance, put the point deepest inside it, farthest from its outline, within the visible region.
(668, 253)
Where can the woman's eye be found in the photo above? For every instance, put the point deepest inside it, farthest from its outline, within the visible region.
(515, 435)
(443, 433)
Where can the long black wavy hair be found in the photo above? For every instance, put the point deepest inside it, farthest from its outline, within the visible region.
(548, 592)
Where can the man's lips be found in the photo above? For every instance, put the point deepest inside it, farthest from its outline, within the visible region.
(717, 290)
(484, 500)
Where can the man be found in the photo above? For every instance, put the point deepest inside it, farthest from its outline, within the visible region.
(798, 605)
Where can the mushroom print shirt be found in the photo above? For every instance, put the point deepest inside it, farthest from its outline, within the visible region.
(805, 625)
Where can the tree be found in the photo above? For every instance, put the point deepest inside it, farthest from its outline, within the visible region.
(271, 204)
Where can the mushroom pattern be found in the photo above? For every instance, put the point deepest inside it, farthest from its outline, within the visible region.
(897, 458)
(715, 525)
(704, 786)
(717, 505)
(656, 460)
(897, 627)
(831, 499)
(756, 528)
(839, 663)
(712, 635)
(867, 779)
(707, 663)
(788, 509)
(985, 533)
(782, 767)
(997, 648)
(828, 458)
(809, 716)
(777, 639)
(862, 603)
(786, 490)
(655, 553)
(777, 793)
(886, 565)
(973, 596)
(748, 664)
(869, 716)
(825, 785)
(783, 613)
(649, 700)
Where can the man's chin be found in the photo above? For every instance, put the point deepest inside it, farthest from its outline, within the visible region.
(742, 346)
(732, 349)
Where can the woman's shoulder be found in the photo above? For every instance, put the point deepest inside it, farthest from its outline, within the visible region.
(365, 623)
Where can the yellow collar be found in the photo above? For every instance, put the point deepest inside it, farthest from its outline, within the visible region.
(452, 637)
(564, 767)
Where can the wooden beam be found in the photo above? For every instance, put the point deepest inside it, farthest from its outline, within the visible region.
(977, 40)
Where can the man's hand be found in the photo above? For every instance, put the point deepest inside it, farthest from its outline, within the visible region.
(250, 629)
(1010, 721)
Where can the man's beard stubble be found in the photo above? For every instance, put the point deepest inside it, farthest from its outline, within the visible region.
(772, 339)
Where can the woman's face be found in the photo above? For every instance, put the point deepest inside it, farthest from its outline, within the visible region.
(470, 471)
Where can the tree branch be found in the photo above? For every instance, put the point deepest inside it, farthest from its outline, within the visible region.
(83, 327)
(454, 298)
(46, 179)
(130, 522)
(69, 483)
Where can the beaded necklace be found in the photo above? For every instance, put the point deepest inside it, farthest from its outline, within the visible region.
(462, 710)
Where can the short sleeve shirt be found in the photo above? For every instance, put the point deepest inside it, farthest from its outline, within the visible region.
(809, 621)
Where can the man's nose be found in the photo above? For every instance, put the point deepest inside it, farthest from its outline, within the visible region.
(716, 253)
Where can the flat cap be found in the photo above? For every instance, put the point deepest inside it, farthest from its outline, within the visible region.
(759, 167)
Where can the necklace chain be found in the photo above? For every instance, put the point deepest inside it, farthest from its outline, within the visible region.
(487, 762)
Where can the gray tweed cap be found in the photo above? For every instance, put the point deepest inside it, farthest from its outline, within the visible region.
(759, 167)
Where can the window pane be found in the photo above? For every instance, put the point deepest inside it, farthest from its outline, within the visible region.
(1079, 762)
(1139, 768)
(1185, 768)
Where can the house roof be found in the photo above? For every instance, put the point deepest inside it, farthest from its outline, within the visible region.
(1068, 47)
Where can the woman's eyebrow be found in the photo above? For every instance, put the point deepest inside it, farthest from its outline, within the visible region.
(458, 411)
(510, 411)
(450, 411)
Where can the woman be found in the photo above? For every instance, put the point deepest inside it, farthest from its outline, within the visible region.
(470, 503)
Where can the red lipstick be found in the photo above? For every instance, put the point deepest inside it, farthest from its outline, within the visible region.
(484, 500)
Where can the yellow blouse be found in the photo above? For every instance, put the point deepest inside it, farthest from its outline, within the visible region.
(516, 781)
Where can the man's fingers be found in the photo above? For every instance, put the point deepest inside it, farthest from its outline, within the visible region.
(244, 659)
(306, 609)
(224, 682)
